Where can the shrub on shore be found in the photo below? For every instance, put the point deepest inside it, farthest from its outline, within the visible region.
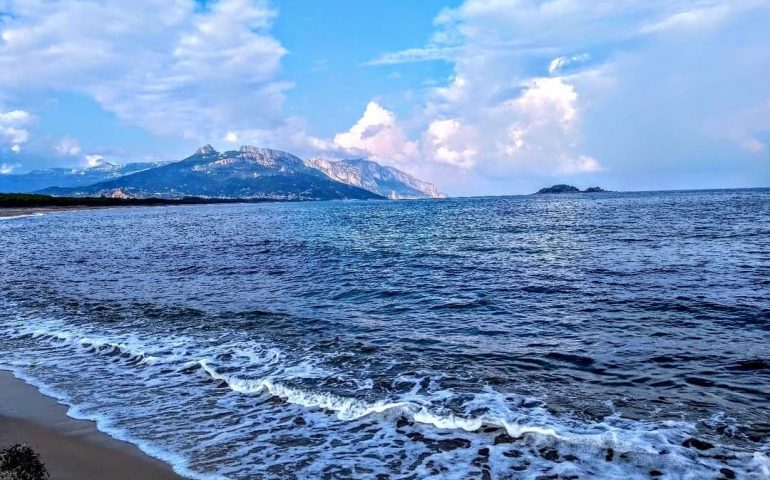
(21, 462)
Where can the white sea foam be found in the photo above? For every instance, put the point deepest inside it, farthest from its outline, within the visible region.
(254, 371)
(538, 421)
(25, 215)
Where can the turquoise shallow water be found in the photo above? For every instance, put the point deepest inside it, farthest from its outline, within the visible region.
(575, 336)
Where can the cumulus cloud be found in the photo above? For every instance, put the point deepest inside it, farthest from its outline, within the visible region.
(13, 129)
(531, 128)
(537, 131)
(377, 134)
(6, 169)
(173, 68)
(661, 85)
(526, 131)
(529, 132)
(546, 100)
(448, 141)
(68, 146)
(94, 160)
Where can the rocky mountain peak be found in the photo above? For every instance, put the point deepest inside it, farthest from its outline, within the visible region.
(206, 150)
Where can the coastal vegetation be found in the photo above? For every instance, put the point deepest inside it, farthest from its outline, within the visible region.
(21, 462)
(30, 200)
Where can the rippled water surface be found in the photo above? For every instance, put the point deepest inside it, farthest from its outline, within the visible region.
(573, 336)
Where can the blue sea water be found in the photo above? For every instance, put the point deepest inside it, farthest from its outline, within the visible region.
(575, 336)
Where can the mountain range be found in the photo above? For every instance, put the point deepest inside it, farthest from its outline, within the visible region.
(69, 177)
(247, 173)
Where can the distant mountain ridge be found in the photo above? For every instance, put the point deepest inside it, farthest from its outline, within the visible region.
(383, 180)
(69, 177)
(247, 173)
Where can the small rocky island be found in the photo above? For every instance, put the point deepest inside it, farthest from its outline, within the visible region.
(562, 188)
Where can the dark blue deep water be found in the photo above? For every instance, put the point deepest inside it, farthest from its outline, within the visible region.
(573, 336)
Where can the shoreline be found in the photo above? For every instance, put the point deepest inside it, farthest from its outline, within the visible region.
(71, 449)
(20, 212)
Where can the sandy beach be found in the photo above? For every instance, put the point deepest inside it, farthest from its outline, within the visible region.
(71, 449)
(25, 212)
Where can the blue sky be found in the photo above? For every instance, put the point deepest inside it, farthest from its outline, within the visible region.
(477, 96)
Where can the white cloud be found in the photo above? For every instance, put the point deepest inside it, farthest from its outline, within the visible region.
(654, 87)
(696, 17)
(173, 68)
(533, 131)
(560, 63)
(377, 134)
(413, 55)
(15, 117)
(290, 135)
(68, 146)
(448, 141)
(13, 128)
(546, 100)
(537, 131)
(5, 168)
(94, 160)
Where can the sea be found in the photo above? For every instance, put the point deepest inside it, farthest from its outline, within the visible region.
(608, 335)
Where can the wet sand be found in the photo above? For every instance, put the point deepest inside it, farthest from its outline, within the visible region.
(25, 212)
(71, 449)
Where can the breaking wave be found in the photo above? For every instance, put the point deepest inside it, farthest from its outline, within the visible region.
(484, 419)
